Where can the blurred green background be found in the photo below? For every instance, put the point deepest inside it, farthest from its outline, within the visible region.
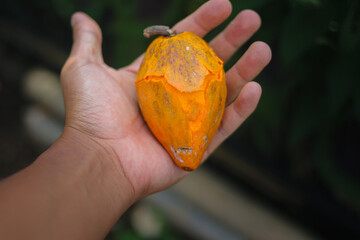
(305, 133)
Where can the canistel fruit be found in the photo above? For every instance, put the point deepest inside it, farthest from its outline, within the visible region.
(181, 92)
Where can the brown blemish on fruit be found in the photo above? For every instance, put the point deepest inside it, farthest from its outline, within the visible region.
(188, 169)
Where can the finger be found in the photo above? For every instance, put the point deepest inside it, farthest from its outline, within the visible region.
(208, 16)
(236, 114)
(247, 68)
(245, 24)
(87, 38)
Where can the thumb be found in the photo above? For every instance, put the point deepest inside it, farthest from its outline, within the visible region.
(87, 38)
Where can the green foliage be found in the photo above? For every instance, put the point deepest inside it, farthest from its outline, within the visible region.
(315, 89)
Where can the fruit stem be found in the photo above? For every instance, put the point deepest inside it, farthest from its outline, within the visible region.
(159, 29)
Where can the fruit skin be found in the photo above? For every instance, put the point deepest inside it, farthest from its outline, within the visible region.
(181, 92)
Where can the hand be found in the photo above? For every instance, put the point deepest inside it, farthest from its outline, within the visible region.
(101, 102)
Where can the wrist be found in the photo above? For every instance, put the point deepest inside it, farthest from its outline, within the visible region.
(88, 176)
(99, 155)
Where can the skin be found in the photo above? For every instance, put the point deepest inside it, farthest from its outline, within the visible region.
(106, 158)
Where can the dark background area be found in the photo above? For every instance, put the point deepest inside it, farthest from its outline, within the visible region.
(303, 139)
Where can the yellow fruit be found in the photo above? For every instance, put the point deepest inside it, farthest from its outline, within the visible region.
(181, 92)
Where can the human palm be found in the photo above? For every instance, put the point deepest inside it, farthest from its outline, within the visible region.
(101, 101)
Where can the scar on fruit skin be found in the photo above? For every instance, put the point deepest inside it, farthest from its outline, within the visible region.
(205, 138)
(186, 150)
(176, 154)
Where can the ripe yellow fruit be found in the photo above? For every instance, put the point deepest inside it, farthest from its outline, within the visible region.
(181, 92)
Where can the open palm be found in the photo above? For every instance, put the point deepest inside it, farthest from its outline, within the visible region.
(101, 101)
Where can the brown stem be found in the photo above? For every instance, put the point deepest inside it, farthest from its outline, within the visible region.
(158, 30)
